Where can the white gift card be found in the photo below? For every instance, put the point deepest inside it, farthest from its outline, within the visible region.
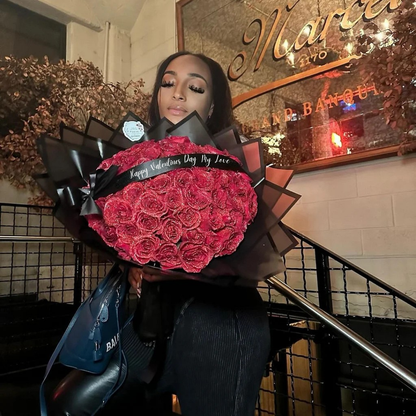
(133, 130)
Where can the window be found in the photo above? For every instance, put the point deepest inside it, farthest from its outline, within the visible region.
(24, 33)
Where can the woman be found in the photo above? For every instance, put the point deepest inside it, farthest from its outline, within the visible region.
(218, 347)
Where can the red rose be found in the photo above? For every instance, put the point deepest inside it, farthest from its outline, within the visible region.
(183, 177)
(204, 179)
(109, 235)
(209, 149)
(189, 217)
(128, 161)
(220, 198)
(105, 164)
(151, 152)
(252, 205)
(147, 224)
(194, 236)
(127, 230)
(232, 243)
(178, 139)
(170, 147)
(159, 184)
(225, 234)
(205, 219)
(188, 148)
(168, 256)
(144, 249)
(194, 257)
(223, 179)
(117, 211)
(213, 242)
(174, 198)
(132, 192)
(171, 230)
(216, 220)
(196, 198)
(235, 203)
(153, 204)
(123, 247)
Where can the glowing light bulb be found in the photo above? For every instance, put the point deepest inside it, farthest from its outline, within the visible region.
(349, 47)
(286, 44)
(380, 36)
(336, 140)
(291, 58)
(386, 24)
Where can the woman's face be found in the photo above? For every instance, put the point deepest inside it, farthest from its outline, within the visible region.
(186, 87)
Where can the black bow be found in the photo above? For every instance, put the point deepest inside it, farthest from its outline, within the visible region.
(99, 180)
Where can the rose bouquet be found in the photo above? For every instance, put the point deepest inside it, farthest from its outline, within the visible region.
(179, 200)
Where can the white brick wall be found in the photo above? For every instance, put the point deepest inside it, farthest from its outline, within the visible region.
(366, 213)
(153, 38)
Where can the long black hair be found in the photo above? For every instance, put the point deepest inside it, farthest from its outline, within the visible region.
(222, 114)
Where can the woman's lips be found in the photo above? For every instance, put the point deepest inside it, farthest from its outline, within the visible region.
(177, 111)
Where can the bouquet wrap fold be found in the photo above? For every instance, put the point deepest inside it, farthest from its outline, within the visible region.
(171, 198)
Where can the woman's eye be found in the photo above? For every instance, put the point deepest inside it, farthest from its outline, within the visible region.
(196, 89)
(167, 84)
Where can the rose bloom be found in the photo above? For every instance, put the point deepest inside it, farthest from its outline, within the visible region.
(152, 203)
(116, 211)
(171, 230)
(194, 236)
(144, 249)
(220, 198)
(196, 198)
(214, 242)
(194, 257)
(109, 235)
(173, 198)
(232, 243)
(168, 256)
(129, 230)
(159, 184)
(147, 224)
(183, 177)
(190, 218)
(132, 192)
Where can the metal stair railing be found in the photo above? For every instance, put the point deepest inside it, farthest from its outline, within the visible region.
(327, 373)
(399, 371)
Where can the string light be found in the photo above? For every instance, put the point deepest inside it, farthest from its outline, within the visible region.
(349, 47)
(285, 44)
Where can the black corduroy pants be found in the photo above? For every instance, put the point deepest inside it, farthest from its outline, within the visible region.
(214, 363)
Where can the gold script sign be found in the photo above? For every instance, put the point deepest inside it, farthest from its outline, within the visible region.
(241, 62)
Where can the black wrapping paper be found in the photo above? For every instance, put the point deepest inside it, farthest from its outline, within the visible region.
(70, 175)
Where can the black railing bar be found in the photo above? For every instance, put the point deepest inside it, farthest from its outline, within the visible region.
(301, 378)
(306, 357)
(299, 400)
(263, 411)
(350, 292)
(380, 318)
(28, 239)
(375, 393)
(8, 204)
(386, 344)
(300, 269)
(399, 371)
(356, 269)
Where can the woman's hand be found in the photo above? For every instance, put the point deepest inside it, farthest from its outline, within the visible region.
(137, 274)
(135, 279)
